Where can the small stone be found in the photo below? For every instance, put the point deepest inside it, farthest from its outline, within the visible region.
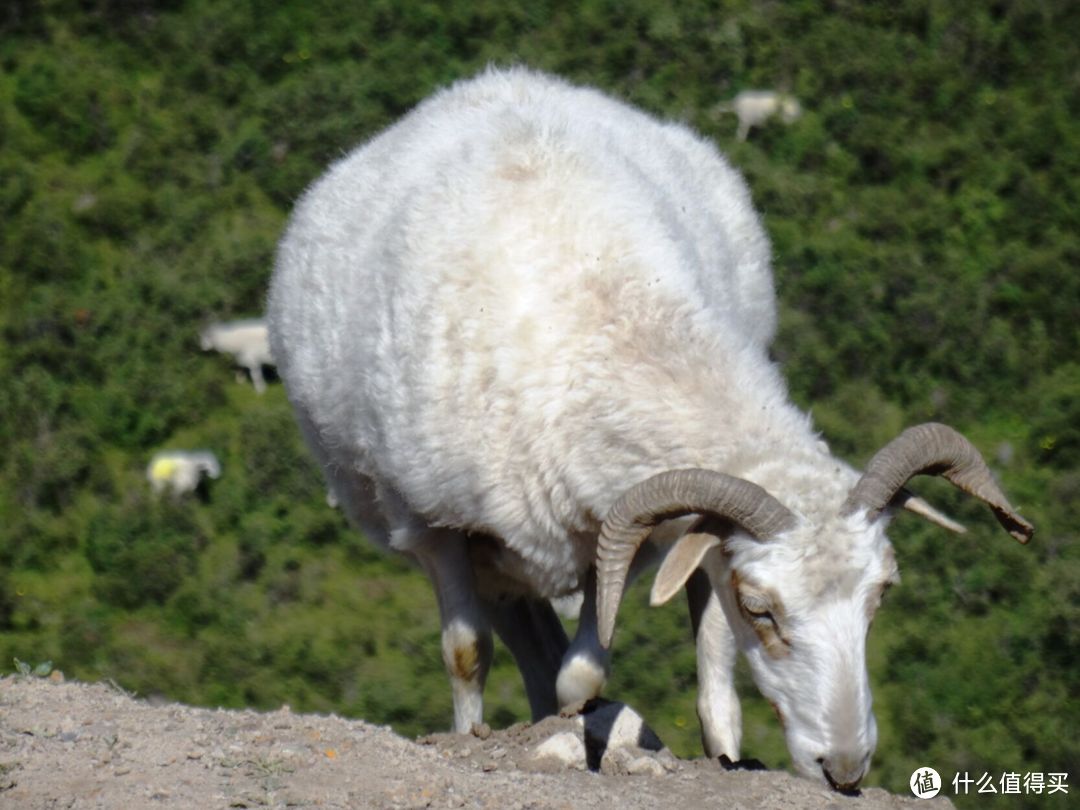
(616, 762)
(645, 766)
(481, 730)
(566, 748)
(611, 726)
(668, 760)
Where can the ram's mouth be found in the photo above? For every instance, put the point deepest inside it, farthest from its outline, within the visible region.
(847, 790)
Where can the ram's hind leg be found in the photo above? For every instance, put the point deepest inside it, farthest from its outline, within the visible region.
(532, 632)
(466, 631)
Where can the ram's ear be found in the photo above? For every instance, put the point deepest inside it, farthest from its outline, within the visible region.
(679, 564)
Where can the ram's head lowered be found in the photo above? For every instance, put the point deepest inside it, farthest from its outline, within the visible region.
(795, 593)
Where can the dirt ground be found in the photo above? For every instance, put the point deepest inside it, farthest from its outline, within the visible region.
(75, 745)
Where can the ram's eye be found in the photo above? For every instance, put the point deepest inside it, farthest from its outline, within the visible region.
(757, 612)
(761, 614)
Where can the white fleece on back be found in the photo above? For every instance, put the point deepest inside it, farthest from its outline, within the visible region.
(523, 298)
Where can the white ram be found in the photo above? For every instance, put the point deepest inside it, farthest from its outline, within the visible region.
(499, 316)
(246, 341)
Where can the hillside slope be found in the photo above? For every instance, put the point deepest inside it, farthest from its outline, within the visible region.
(89, 745)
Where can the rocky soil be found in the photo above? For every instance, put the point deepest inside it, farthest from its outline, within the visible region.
(75, 745)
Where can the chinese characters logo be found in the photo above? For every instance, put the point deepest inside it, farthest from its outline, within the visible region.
(925, 783)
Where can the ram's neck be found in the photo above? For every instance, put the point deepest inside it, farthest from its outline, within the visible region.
(712, 416)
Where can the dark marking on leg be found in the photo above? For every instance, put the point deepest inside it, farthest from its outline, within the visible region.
(466, 664)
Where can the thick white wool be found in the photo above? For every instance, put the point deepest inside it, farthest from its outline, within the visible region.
(523, 298)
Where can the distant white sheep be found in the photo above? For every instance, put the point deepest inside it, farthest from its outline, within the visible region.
(181, 470)
(755, 107)
(246, 341)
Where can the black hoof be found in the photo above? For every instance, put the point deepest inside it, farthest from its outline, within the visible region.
(742, 764)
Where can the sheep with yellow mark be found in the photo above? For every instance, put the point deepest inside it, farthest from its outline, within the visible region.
(180, 471)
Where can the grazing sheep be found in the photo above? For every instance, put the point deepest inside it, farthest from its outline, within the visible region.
(246, 341)
(525, 330)
(755, 107)
(181, 470)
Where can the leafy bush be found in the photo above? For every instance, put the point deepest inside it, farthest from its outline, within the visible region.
(141, 554)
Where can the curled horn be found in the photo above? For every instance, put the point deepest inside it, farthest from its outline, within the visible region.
(932, 449)
(670, 495)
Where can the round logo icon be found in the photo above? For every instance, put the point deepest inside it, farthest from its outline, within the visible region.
(925, 783)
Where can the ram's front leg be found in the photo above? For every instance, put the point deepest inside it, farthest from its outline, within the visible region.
(585, 665)
(717, 703)
(466, 632)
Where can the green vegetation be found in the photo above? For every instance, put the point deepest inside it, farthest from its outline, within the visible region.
(924, 213)
(25, 670)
